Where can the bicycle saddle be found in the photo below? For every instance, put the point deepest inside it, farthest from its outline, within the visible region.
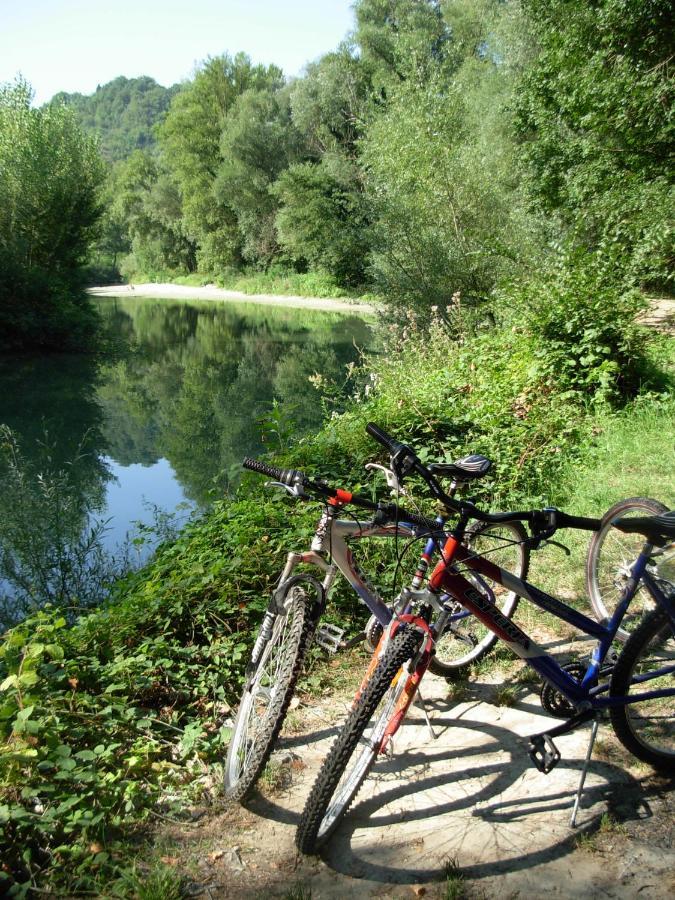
(465, 469)
(659, 530)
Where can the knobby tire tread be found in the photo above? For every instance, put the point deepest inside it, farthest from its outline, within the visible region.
(403, 646)
(650, 626)
(301, 635)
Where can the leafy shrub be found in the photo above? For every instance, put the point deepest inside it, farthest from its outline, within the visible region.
(582, 328)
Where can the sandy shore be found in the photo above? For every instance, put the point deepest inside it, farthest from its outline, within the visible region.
(211, 292)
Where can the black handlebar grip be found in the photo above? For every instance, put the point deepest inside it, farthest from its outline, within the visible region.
(566, 521)
(382, 437)
(285, 476)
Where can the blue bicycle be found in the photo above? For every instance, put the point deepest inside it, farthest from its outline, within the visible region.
(637, 688)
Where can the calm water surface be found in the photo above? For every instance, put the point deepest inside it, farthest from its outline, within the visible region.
(191, 388)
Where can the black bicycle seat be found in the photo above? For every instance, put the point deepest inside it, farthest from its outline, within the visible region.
(659, 530)
(465, 469)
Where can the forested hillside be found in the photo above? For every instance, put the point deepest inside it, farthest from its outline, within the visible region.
(442, 147)
(121, 114)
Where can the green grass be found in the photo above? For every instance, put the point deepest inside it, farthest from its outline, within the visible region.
(455, 887)
(630, 455)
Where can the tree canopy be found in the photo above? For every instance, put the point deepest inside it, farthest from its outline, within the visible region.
(50, 175)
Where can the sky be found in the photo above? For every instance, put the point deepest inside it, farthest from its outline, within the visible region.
(75, 45)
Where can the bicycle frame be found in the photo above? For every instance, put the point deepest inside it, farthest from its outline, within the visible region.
(331, 538)
(584, 694)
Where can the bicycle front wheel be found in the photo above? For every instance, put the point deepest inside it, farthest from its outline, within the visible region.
(611, 554)
(466, 640)
(356, 748)
(647, 729)
(267, 693)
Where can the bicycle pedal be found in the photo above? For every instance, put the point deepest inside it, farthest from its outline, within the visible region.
(543, 752)
(329, 637)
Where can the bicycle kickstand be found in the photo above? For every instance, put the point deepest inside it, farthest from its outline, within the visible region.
(584, 770)
(419, 699)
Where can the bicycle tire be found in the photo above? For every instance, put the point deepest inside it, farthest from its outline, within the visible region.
(344, 769)
(647, 729)
(248, 753)
(513, 556)
(611, 553)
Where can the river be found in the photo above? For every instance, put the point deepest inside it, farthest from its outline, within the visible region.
(159, 425)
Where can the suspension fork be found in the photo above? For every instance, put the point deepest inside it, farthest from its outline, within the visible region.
(414, 678)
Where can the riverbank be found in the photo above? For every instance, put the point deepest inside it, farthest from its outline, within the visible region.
(211, 292)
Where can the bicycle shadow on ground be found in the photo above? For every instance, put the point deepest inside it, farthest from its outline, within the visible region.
(486, 816)
(473, 795)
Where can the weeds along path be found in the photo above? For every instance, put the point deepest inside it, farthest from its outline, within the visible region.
(462, 815)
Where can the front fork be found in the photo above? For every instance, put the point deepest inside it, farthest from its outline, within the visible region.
(279, 600)
(414, 678)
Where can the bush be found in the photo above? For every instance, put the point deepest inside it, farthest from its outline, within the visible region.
(582, 329)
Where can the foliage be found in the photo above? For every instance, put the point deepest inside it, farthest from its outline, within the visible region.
(116, 719)
(258, 142)
(190, 141)
(46, 555)
(104, 722)
(323, 216)
(401, 40)
(146, 205)
(330, 103)
(594, 113)
(583, 331)
(123, 114)
(50, 175)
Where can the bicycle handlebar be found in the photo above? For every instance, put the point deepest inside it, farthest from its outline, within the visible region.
(285, 476)
(383, 438)
(405, 460)
(390, 512)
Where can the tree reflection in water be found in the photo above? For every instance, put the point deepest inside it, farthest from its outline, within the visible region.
(195, 384)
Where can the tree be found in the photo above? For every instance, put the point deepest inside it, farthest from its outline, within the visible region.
(594, 115)
(50, 175)
(147, 200)
(123, 114)
(401, 40)
(439, 155)
(190, 139)
(331, 103)
(323, 216)
(258, 142)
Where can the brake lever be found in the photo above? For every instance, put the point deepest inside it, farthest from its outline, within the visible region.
(295, 490)
(392, 479)
(551, 543)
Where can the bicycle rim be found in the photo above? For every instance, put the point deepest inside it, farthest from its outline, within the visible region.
(647, 728)
(468, 640)
(611, 555)
(266, 697)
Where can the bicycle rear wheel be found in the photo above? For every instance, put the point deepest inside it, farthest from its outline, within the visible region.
(647, 729)
(356, 747)
(611, 553)
(467, 640)
(267, 693)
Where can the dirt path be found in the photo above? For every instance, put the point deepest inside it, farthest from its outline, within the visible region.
(469, 798)
(211, 292)
(660, 314)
